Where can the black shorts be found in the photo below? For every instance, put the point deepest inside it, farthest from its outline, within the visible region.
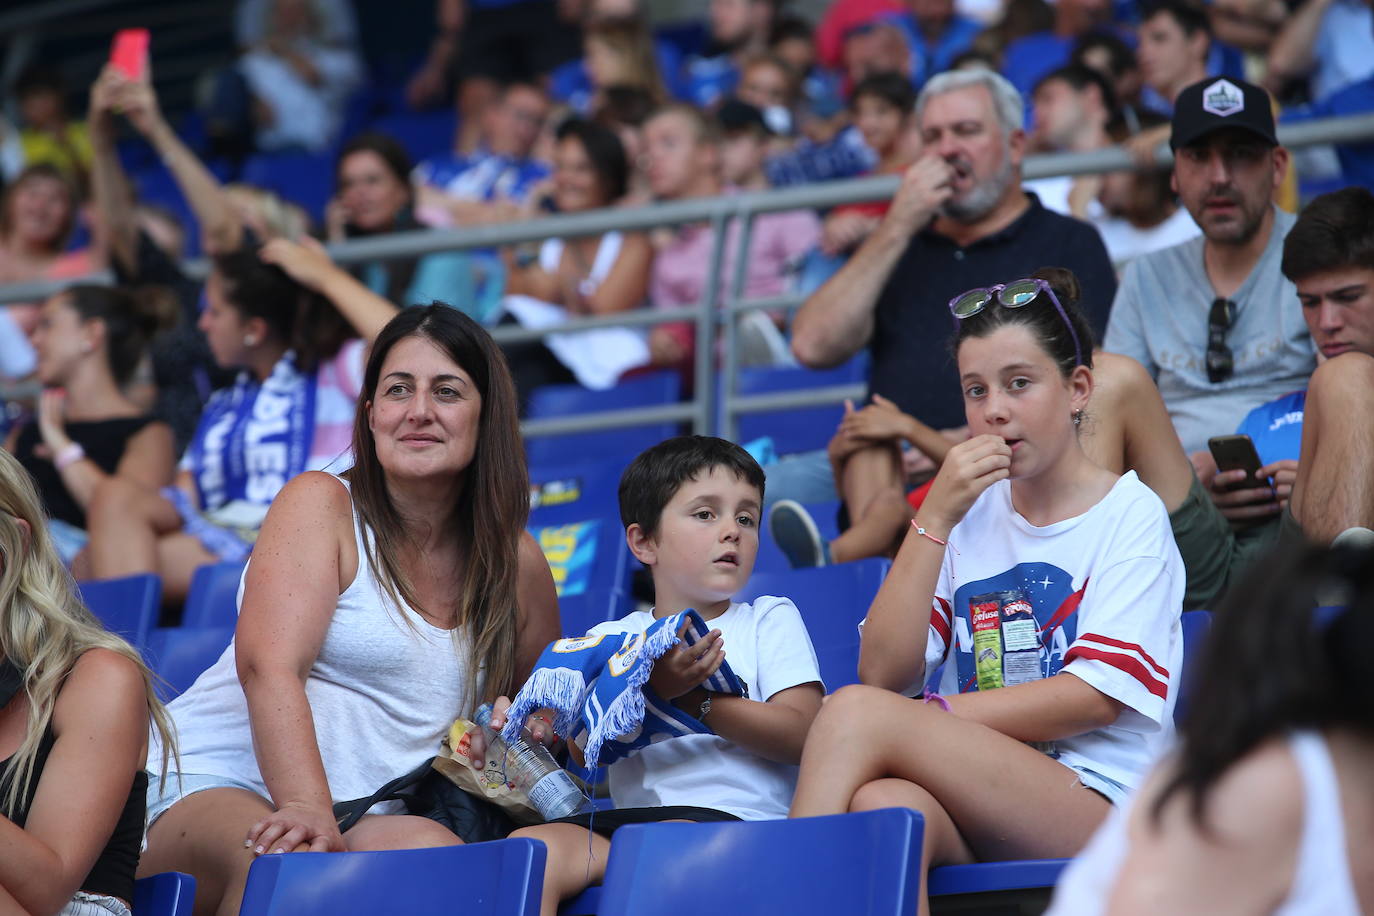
(518, 42)
(606, 823)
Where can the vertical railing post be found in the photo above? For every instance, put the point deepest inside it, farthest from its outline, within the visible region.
(705, 395)
(730, 358)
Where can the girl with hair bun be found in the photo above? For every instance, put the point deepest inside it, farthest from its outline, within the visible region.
(1044, 588)
(76, 703)
(90, 341)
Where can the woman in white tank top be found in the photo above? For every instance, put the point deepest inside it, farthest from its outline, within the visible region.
(374, 611)
(1266, 804)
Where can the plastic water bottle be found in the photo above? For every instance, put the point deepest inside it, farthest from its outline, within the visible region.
(529, 765)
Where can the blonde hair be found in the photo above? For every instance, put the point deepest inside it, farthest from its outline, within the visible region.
(44, 627)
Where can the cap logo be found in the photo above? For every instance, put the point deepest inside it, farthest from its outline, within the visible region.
(1223, 98)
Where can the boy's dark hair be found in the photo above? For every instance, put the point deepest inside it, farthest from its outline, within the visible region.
(892, 88)
(655, 476)
(1334, 231)
(1080, 77)
(1191, 17)
(39, 77)
(789, 28)
(1041, 318)
(1120, 57)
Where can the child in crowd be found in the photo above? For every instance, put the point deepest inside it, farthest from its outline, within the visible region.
(1048, 577)
(76, 703)
(691, 511)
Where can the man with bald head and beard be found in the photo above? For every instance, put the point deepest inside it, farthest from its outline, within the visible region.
(959, 220)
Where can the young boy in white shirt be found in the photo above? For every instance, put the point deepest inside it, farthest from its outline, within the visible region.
(691, 509)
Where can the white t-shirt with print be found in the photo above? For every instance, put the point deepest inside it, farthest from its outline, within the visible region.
(1106, 588)
(767, 646)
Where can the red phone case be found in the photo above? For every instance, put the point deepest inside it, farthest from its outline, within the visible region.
(129, 53)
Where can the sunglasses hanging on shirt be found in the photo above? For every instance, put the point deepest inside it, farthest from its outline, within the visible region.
(1221, 363)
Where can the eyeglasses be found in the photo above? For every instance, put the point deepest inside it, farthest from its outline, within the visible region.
(1221, 362)
(1014, 295)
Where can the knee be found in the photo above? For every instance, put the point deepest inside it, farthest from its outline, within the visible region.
(1120, 378)
(114, 499)
(853, 703)
(1341, 380)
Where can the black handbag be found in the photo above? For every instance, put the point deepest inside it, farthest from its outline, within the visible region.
(426, 792)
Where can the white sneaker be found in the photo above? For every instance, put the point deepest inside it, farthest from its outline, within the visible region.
(796, 534)
(760, 343)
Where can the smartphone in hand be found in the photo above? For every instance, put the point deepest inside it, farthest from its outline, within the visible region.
(1236, 453)
(129, 53)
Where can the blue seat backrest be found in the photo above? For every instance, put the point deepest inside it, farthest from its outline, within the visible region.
(583, 611)
(1196, 627)
(212, 600)
(832, 600)
(178, 655)
(586, 555)
(566, 491)
(771, 559)
(501, 878)
(305, 179)
(802, 429)
(650, 390)
(171, 893)
(127, 606)
(867, 863)
(990, 877)
(422, 133)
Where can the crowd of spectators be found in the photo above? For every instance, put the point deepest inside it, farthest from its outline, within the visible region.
(354, 429)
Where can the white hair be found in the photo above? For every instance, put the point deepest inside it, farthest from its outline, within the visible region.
(1006, 101)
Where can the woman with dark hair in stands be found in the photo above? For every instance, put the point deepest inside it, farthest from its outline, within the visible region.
(76, 704)
(1046, 588)
(296, 327)
(587, 275)
(373, 196)
(1265, 805)
(90, 340)
(379, 604)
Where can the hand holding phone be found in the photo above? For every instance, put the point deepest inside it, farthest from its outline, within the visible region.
(129, 53)
(1249, 497)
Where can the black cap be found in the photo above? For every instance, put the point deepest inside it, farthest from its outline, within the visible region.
(735, 115)
(1216, 103)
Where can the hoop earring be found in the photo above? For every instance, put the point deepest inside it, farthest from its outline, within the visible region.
(1077, 418)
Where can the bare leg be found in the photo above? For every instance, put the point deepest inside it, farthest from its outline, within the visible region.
(179, 555)
(1127, 427)
(125, 521)
(872, 486)
(567, 870)
(203, 835)
(941, 842)
(1005, 799)
(1335, 485)
(398, 831)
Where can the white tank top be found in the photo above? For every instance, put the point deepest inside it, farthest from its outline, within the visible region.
(383, 692)
(1322, 885)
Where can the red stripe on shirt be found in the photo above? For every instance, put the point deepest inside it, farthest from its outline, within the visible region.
(1130, 647)
(1126, 663)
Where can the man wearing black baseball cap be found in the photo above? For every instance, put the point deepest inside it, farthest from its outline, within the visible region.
(1212, 318)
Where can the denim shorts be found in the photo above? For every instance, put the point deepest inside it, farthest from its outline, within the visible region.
(166, 792)
(1112, 790)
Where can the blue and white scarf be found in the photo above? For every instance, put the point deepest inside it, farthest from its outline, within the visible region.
(254, 437)
(600, 685)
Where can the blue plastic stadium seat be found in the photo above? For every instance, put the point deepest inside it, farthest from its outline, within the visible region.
(867, 863)
(804, 429)
(832, 601)
(127, 606)
(422, 133)
(1196, 626)
(650, 390)
(178, 655)
(586, 556)
(501, 878)
(771, 559)
(563, 492)
(995, 877)
(581, 612)
(171, 893)
(212, 600)
(303, 178)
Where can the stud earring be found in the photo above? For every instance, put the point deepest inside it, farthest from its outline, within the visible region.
(1078, 418)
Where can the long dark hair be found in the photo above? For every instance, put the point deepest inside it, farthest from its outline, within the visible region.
(490, 514)
(305, 321)
(132, 317)
(400, 272)
(1272, 665)
(605, 152)
(1042, 319)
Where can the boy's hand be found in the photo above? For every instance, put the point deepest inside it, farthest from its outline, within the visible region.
(684, 668)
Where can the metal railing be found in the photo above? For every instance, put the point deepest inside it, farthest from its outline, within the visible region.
(713, 311)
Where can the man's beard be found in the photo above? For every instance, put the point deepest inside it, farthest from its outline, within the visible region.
(982, 198)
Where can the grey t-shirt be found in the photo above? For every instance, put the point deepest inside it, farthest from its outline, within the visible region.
(1159, 317)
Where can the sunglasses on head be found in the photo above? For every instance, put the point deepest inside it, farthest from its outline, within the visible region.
(1014, 295)
(1221, 363)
